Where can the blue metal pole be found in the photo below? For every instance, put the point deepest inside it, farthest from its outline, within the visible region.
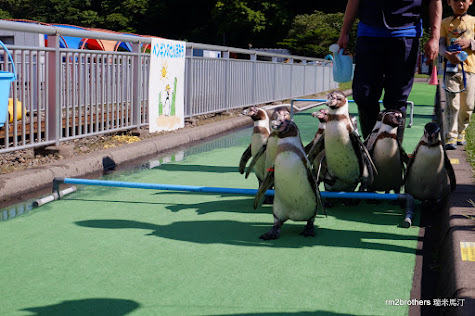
(220, 190)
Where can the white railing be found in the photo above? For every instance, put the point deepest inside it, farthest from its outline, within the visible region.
(71, 93)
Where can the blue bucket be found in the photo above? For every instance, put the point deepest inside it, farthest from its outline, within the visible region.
(5, 79)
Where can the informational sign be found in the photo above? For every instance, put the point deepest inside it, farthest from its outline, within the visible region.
(166, 85)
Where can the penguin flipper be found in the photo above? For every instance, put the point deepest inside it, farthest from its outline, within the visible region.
(246, 155)
(450, 172)
(266, 184)
(316, 148)
(365, 155)
(254, 160)
(321, 166)
(314, 184)
(308, 147)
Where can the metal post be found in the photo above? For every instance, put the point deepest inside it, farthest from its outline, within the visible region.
(137, 86)
(53, 106)
(253, 59)
(226, 78)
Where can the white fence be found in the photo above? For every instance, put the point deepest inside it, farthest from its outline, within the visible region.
(71, 93)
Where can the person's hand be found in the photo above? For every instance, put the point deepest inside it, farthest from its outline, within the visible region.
(431, 50)
(464, 43)
(343, 43)
(452, 57)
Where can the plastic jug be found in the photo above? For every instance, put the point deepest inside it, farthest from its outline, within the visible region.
(5, 81)
(342, 65)
(461, 56)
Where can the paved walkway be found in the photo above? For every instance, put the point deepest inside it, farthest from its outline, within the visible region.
(447, 272)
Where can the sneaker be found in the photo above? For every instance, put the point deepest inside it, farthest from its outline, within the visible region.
(451, 144)
(461, 139)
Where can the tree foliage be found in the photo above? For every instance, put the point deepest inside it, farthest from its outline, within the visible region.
(292, 24)
(312, 34)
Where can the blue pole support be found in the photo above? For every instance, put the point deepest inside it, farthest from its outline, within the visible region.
(411, 104)
(220, 190)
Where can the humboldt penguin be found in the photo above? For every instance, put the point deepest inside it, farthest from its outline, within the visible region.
(430, 176)
(280, 113)
(369, 141)
(388, 155)
(348, 163)
(296, 194)
(259, 137)
(322, 116)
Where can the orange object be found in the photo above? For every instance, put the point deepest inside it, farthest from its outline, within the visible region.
(433, 77)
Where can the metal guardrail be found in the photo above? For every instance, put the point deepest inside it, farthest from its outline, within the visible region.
(64, 93)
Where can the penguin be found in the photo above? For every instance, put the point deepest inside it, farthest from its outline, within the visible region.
(430, 176)
(348, 163)
(259, 137)
(369, 141)
(322, 116)
(388, 155)
(296, 195)
(270, 147)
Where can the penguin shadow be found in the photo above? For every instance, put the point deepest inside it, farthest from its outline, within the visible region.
(198, 168)
(382, 213)
(247, 234)
(90, 307)
(243, 206)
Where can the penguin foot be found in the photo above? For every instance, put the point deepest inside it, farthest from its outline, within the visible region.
(273, 233)
(309, 230)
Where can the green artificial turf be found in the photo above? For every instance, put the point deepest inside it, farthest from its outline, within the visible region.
(118, 251)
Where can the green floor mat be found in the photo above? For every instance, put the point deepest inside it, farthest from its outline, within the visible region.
(118, 251)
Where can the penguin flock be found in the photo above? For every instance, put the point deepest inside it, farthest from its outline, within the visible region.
(341, 160)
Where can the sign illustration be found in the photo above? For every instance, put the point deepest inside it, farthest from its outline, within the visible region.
(166, 85)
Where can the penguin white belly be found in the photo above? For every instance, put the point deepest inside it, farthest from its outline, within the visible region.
(294, 197)
(341, 159)
(257, 142)
(427, 178)
(386, 157)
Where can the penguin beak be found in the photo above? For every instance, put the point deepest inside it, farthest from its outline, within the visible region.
(431, 138)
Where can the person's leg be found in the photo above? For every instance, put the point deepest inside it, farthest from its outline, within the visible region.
(367, 82)
(467, 100)
(399, 68)
(452, 101)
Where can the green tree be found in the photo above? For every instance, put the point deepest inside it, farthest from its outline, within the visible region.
(312, 34)
(234, 19)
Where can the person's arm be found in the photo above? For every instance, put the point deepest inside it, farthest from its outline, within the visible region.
(442, 46)
(431, 48)
(351, 12)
